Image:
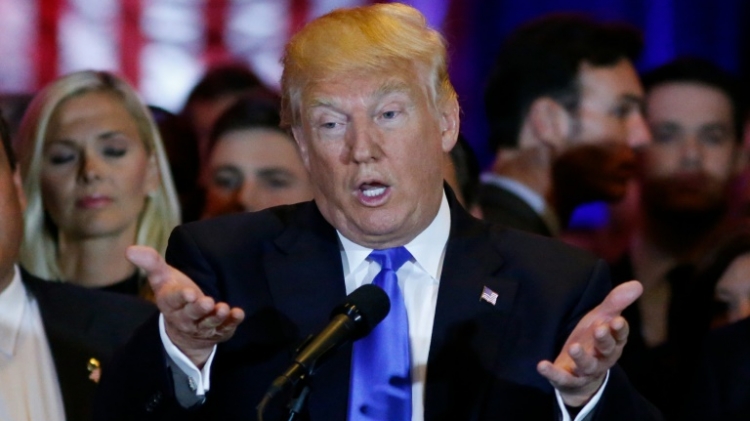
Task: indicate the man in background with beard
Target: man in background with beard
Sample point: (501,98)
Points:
(564,106)
(696,114)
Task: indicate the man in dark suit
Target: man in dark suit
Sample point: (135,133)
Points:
(500,324)
(564,107)
(721,383)
(54,338)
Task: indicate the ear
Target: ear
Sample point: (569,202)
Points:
(550,122)
(153,177)
(301,140)
(449,124)
(19,188)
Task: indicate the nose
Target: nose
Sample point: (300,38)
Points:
(690,153)
(90,168)
(248,198)
(639,135)
(362,145)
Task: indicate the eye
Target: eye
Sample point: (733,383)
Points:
(714,137)
(390,114)
(278,182)
(665,134)
(623,110)
(60,154)
(114,152)
(227,179)
(60,158)
(328,125)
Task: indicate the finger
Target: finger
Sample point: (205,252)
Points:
(585,363)
(604,340)
(621,297)
(215,318)
(174,299)
(151,263)
(620,329)
(559,378)
(201,308)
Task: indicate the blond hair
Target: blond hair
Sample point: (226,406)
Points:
(161,212)
(380,37)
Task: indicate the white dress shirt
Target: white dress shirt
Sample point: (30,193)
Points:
(419,280)
(29,390)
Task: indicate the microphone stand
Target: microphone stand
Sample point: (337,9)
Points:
(298,402)
(295,405)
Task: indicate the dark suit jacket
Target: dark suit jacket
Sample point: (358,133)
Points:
(283,266)
(504,207)
(81,324)
(721,389)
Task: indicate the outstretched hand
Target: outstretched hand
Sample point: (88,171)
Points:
(194,321)
(592,348)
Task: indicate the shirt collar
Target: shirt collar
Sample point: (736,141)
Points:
(422,247)
(529,196)
(12,305)
(532,198)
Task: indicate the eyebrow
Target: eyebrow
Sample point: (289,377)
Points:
(633,98)
(110,134)
(102,136)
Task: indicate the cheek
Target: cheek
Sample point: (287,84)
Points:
(132,177)
(659,160)
(55,189)
(719,164)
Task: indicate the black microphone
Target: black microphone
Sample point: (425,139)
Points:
(362,310)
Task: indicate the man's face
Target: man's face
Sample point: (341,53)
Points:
(11,218)
(374,146)
(254,169)
(694,153)
(605,128)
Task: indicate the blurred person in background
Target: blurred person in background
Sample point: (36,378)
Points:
(461,169)
(55,338)
(720,300)
(216,91)
(696,114)
(252,164)
(182,153)
(97,181)
(564,105)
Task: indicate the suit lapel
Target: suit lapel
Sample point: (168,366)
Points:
(63,329)
(306,282)
(467,331)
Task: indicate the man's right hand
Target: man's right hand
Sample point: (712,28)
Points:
(194,322)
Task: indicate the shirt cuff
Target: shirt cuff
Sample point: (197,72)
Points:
(586,410)
(200,378)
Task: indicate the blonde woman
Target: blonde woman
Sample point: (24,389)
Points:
(97,181)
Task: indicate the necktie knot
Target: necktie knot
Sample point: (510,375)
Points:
(392,258)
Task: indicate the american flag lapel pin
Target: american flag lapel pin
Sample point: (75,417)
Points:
(488,295)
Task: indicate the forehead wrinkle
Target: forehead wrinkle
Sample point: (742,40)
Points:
(334,102)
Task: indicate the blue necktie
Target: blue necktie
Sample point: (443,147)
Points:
(380,386)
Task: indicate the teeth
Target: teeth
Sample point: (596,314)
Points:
(372,192)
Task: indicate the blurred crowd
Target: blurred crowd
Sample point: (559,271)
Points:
(89,169)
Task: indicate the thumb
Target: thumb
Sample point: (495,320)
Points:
(621,297)
(149,260)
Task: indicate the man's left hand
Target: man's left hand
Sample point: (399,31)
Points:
(592,348)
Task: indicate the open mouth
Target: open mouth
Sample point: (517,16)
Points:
(373,193)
